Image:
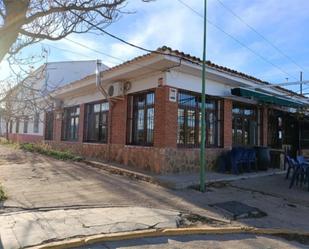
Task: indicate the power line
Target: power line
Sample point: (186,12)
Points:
(138,65)
(66,50)
(94,50)
(126,42)
(260,35)
(236,40)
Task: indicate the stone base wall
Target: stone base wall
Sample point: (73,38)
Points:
(25,138)
(151,159)
(188,160)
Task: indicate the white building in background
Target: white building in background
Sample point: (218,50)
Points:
(47,77)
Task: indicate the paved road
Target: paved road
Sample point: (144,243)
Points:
(203,242)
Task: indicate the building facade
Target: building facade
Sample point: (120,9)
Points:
(27,124)
(148,114)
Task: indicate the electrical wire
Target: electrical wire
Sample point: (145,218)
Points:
(260,35)
(236,40)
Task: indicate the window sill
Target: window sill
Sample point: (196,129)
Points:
(94,143)
(138,146)
(70,141)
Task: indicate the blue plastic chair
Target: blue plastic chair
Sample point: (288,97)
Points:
(236,160)
(251,159)
(292,165)
(300,174)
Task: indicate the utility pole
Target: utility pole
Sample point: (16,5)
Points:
(301,79)
(203,121)
(299,120)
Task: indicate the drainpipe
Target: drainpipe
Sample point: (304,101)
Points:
(110,103)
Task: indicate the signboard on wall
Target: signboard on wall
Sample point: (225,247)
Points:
(173,95)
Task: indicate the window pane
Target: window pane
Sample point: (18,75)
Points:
(96,123)
(142,119)
(97,108)
(150,99)
(70,123)
(243,132)
(189,119)
(141,101)
(181,132)
(150,125)
(191,127)
(105,106)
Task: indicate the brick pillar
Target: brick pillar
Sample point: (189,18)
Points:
(118,121)
(227,123)
(264,126)
(57,125)
(81,123)
(165,123)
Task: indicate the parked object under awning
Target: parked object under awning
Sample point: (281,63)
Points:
(266,98)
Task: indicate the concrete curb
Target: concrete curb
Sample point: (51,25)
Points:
(169,184)
(165,232)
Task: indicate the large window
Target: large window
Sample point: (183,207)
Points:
(11,126)
(25,125)
(17,125)
(36,121)
(49,125)
(189,120)
(141,119)
(245,128)
(70,123)
(96,122)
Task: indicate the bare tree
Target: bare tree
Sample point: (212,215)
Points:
(24,22)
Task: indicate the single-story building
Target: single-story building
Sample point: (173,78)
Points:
(148,114)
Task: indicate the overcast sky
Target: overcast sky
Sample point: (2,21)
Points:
(168,22)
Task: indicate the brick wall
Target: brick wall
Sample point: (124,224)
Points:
(25,138)
(118,121)
(227,123)
(163,157)
(165,124)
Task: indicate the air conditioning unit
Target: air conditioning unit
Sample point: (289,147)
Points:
(115,89)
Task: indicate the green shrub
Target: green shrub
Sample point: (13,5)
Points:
(6,142)
(2,194)
(46,150)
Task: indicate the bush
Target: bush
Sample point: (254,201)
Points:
(2,194)
(4,141)
(46,150)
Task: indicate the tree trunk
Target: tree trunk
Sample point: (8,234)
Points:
(14,19)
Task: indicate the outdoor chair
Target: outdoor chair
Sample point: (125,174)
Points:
(242,160)
(300,174)
(236,159)
(302,160)
(251,159)
(292,165)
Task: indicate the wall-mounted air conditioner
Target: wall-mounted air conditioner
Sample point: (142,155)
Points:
(115,89)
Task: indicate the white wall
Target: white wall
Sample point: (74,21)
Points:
(139,84)
(30,126)
(193,83)
(61,73)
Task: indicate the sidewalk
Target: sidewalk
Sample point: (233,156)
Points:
(24,229)
(179,181)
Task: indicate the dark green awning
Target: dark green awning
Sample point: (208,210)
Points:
(266,98)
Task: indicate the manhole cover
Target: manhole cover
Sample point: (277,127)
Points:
(238,210)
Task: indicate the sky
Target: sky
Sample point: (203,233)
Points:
(230,42)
